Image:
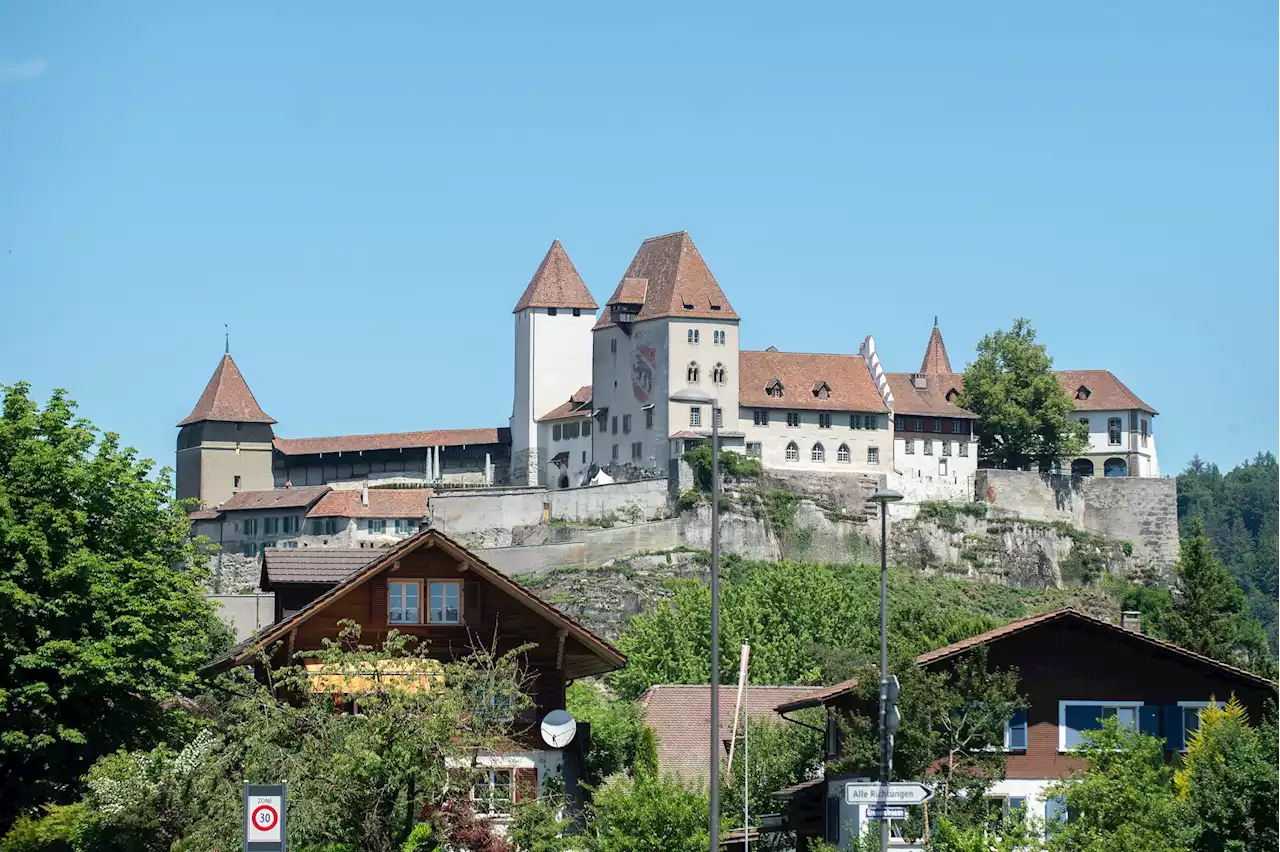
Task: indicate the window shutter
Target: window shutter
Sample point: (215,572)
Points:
(525,784)
(378,600)
(1018,730)
(1173,733)
(832,826)
(471,603)
(1149,720)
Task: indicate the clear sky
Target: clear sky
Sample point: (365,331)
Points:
(362,190)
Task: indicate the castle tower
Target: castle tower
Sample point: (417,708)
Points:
(553,321)
(224,445)
(935,361)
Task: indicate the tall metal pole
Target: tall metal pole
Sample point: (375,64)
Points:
(714,818)
(884,665)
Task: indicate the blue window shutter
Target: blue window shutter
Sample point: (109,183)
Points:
(1018,730)
(1149,720)
(1081,717)
(1173,734)
(832,827)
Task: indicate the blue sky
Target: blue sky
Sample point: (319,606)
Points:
(363,190)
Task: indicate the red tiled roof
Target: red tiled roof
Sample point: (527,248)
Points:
(578,405)
(668,273)
(850,385)
(1106,392)
(817,697)
(680,716)
(556,284)
(277,498)
(932,401)
(312,564)
(204,515)
(383,503)
(392,441)
(227,398)
(935,355)
(1022,624)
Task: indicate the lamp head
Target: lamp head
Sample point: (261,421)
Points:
(885,495)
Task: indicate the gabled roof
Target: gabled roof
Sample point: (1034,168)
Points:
(669,278)
(935,354)
(383,503)
(680,716)
(276,498)
(1106,392)
(578,405)
(932,400)
(244,652)
(556,284)
(227,398)
(320,565)
(1022,625)
(393,441)
(847,377)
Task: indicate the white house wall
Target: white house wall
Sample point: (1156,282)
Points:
(579,450)
(775,437)
(1130,446)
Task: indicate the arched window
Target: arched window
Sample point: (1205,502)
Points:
(717,374)
(1115,467)
(1082,467)
(818,454)
(842,454)
(692,372)
(793,452)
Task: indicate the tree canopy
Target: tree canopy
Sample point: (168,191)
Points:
(1023,413)
(102,614)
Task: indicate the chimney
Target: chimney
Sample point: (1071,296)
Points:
(364,495)
(919,381)
(1131,620)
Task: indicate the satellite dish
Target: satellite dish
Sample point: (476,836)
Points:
(558,728)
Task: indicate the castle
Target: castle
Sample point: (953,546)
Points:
(592,403)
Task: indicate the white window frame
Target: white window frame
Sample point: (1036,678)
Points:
(843,455)
(1198,705)
(818,454)
(484,804)
(417,614)
(695,416)
(1064,704)
(754,449)
(873,455)
(787,452)
(427,588)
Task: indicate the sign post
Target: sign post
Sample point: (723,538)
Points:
(895,793)
(886,812)
(264,817)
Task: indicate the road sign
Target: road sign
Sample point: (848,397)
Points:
(895,793)
(264,817)
(883,812)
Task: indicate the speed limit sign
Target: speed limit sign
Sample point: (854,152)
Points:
(264,817)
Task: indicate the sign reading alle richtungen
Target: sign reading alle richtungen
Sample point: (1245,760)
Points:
(264,817)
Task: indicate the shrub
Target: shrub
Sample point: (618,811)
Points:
(58,829)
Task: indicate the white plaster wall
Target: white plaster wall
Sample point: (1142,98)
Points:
(925,470)
(1101,448)
(579,450)
(552,360)
(707,354)
(626,380)
(775,437)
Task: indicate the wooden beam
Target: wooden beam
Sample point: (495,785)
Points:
(561,635)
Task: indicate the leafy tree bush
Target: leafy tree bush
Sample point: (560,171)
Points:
(732,465)
(781,754)
(1023,413)
(100,623)
(616,725)
(630,814)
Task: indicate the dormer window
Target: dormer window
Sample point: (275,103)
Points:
(821,390)
(1083,393)
(952,394)
(774,389)
(684,300)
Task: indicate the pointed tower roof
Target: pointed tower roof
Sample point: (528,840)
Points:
(556,284)
(676,282)
(227,398)
(935,355)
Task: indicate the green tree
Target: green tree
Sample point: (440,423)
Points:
(1227,785)
(100,623)
(780,754)
(1123,801)
(1211,618)
(631,814)
(616,725)
(1023,412)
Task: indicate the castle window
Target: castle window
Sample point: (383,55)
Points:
(761,416)
(909,446)
(552,312)
(793,452)
(793,418)
(717,337)
(236,481)
(822,390)
(693,335)
(899,422)
(937,424)
(718,415)
(928,447)
(1113,431)
(1083,393)
(955,427)
(239,426)
(586,428)
(1142,425)
(577,312)
(1085,421)
(615,452)
(855,421)
(614,425)
(774,389)
(695,415)
(818,454)
(919,424)
(946,448)
(648,418)
(613,346)
(942,466)
(692,372)
(842,454)
(635,450)
(555,432)
(377,525)
(870,421)
(717,374)
(754,450)
(626,423)
(873,455)
(824,420)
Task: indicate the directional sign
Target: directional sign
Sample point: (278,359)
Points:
(883,812)
(895,793)
(264,817)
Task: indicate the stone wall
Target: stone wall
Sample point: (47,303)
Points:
(585,548)
(1142,511)
(247,614)
(648,496)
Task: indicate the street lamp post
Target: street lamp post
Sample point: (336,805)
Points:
(884,497)
(693,396)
